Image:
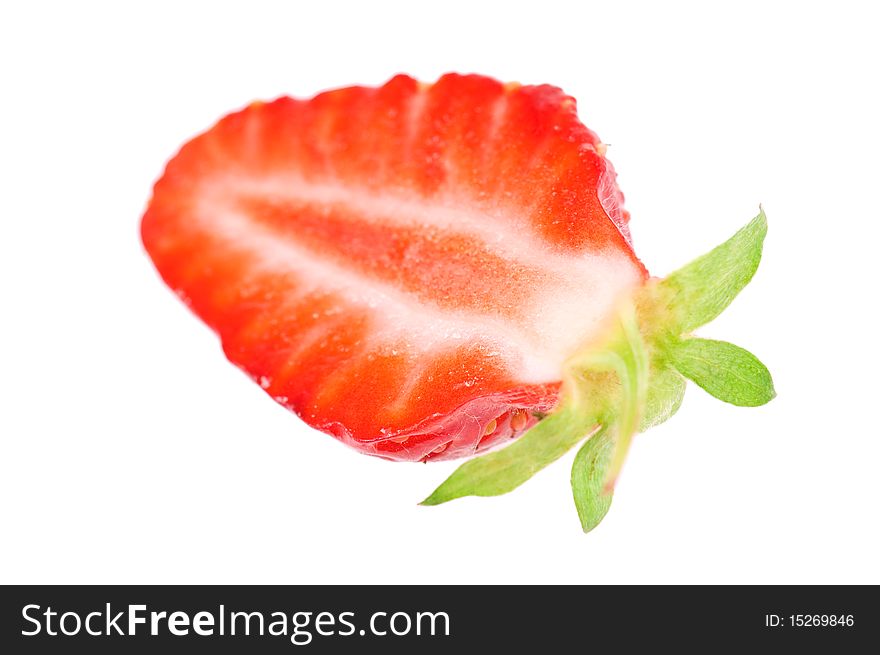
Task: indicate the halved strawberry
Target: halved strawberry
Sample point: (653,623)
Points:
(410,268)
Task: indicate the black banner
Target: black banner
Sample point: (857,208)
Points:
(339,619)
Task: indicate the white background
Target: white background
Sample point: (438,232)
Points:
(133,452)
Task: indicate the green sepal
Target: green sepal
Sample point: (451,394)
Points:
(701,290)
(666,388)
(504,470)
(726,371)
(589,473)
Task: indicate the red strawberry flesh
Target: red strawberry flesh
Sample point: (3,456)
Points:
(406,267)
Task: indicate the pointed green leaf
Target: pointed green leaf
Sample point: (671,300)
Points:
(588,475)
(504,470)
(701,290)
(665,393)
(728,372)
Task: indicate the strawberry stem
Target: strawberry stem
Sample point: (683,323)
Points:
(632,371)
(625,357)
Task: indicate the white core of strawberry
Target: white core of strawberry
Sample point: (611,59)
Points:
(508,232)
(569,298)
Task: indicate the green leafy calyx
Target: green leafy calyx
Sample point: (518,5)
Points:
(633,379)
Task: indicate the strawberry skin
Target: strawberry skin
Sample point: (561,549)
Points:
(409,267)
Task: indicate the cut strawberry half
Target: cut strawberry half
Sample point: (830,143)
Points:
(421,271)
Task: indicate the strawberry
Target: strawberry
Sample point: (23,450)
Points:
(428,271)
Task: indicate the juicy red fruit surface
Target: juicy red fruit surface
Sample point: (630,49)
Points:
(406,267)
